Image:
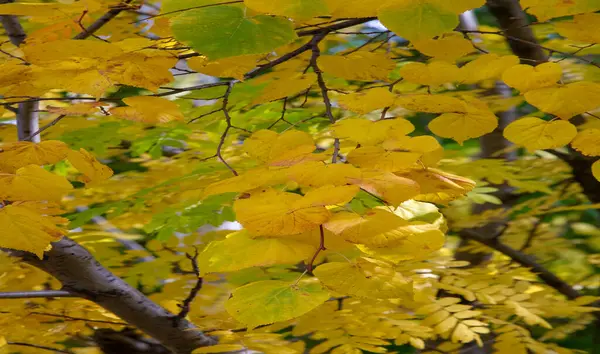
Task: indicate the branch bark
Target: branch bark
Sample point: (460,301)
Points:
(82,275)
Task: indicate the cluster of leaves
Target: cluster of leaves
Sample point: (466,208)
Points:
(323,137)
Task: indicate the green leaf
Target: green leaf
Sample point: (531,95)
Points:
(226,31)
(417,20)
(272,301)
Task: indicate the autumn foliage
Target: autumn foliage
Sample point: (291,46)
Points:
(299,176)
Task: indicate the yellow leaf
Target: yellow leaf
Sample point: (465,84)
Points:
(537,134)
(234,67)
(219,348)
(596,170)
(581,28)
(529,317)
(49,10)
(296,9)
(78,109)
(365,66)
(477,121)
(2,341)
(526,77)
(391,188)
(272,301)
(367,133)
(93,171)
(446,325)
(148,109)
(138,69)
(363,279)
(432,74)
(586,142)
(487,67)
(33,183)
(275,213)
(284,87)
(284,149)
(547,9)
(318,174)
(27,231)
(20,154)
(448,47)
(328,195)
(430,149)
(239,251)
(378,158)
(418,242)
(438,186)
(568,100)
(432,103)
(48,53)
(367,101)
(245,182)
(351,8)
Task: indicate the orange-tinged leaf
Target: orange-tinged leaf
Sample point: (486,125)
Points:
(526,77)
(234,67)
(148,109)
(33,183)
(93,171)
(20,154)
(28,231)
(390,187)
(537,134)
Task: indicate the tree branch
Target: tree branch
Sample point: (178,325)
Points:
(185,306)
(35,294)
(56,350)
(526,261)
(103,20)
(81,275)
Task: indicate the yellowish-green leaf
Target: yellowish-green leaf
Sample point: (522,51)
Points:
(296,9)
(285,87)
(581,28)
(526,77)
(537,134)
(378,158)
(547,9)
(430,149)
(239,251)
(351,8)
(148,109)
(28,231)
(271,301)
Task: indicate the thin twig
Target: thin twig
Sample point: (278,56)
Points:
(282,118)
(316,52)
(204,115)
(71,318)
(310,265)
(224,135)
(35,294)
(103,20)
(185,306)
(56,350)
(187,9)
(56,120)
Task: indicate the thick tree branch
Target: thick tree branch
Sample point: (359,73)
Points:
(82,275)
